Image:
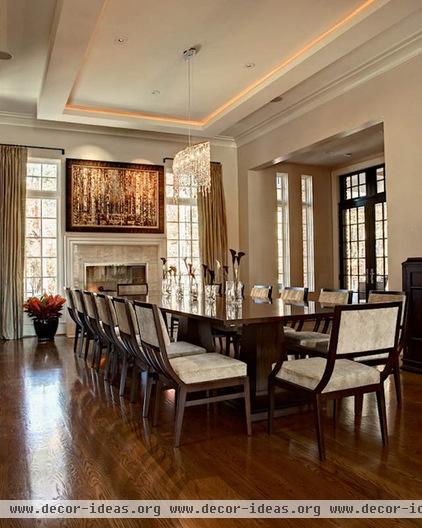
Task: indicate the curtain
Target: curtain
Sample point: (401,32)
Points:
(12,239)
(212,221)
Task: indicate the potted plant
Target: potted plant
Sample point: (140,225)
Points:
(45,312)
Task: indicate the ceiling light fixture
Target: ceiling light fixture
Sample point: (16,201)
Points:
(156,92)
(121,40)
(276,99)
(250,65)
(192,164)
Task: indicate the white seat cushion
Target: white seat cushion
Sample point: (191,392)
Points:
(207,367)
(319,345)
(308,336)
(347,374)
(182,348)
(289,330)
(374,356)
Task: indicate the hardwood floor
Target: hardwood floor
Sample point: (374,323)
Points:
(66,434)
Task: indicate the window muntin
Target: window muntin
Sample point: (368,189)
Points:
(283,238)
(308,232)
(41,248)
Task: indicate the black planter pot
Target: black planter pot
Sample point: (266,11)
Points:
(46,328)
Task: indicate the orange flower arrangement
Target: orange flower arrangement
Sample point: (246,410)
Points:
(44,307)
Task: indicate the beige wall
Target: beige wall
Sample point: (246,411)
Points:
(394,98)
(91,143)
(262,257)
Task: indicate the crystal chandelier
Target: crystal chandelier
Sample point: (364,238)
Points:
(191,166)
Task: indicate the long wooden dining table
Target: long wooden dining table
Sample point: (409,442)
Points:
(260,327)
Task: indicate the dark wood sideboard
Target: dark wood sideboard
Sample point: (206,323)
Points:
(412,285)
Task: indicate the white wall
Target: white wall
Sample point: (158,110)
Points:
(108,145)
(394,98)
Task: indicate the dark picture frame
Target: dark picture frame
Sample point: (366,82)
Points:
(114,197)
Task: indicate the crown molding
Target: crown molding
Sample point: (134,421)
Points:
(29,120)
(388,60)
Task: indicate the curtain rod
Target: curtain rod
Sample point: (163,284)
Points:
(171,159)
(34,147)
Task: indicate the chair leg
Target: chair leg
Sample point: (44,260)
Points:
(382,414)
(95,351)
(318,426)
(134,384)
(397,383)
(87,343)
(271,398)
(358,404)
(81,342)
(75,341)
(109,359)
(157,400)
(147,396)
(123,376)
(181,401)
(334,412)
(247,406)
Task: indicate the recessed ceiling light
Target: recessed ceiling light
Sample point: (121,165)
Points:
(5,55)
(250,65)
(121,40)
(276,99)
(156,92)
(348,155)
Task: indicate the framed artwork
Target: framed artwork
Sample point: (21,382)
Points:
(114,197)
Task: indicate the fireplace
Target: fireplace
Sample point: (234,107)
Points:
(114,279)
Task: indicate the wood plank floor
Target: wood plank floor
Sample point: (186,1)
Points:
(66,434)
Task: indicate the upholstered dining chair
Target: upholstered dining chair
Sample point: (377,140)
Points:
(358,330)
(189,374)
(321,324)
(82,313)
(319,347)
(294,294)
(73,312)
(100,339)
(262,291)
(118,354)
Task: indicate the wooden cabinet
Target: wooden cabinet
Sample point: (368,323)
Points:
(412,285)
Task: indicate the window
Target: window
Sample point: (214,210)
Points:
(42,196)
(308,233)
(182,227)
(283,239)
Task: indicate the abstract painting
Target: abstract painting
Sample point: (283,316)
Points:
(114,197)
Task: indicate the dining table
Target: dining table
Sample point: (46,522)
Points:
(259,324)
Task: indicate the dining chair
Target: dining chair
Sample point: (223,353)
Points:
(322,323)
(118,355)
(314,347)
(88,331)
(262,291)
(199,373)
(100,339)
(133,291)
(294,294)
(73,312)
(358,330)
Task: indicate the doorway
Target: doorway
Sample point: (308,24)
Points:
(363,231)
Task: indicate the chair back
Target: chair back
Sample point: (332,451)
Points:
(363,329)
(147,327)
(335,296)
(69,298)
(89,304)
(124,321)
(294,293)
(79,302)
(390,296)
(102,309)
(154,339)
(132,289)
(261,291)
